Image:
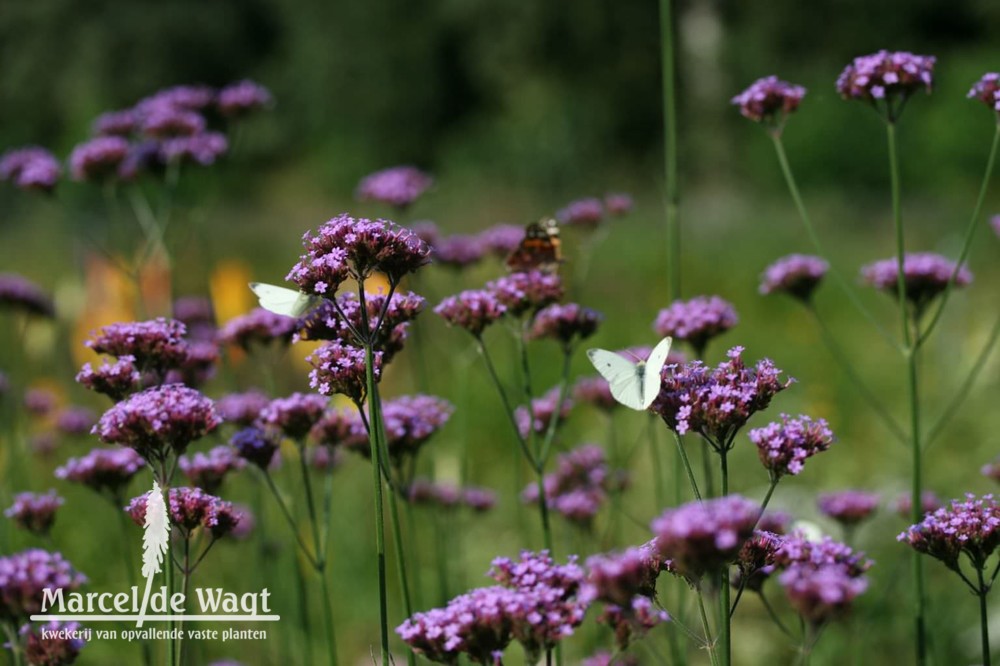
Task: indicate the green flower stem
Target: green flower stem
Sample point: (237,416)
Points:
(304,614)
(331,637)
(659,487)
(842,358)
(910,350)
(123,522)
(507,408)
(767,498)
(168,562)
(15,643)
(793,189)
(411,526)
(970,231)
(288,518)
(687,466)
(984,625)
(709,641)
(725,635)
(962,393)
(375,448)
(774,616)
(668,71)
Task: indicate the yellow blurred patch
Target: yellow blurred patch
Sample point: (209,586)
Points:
(108,298)
(229,286)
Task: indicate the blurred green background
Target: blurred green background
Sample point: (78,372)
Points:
(517,108)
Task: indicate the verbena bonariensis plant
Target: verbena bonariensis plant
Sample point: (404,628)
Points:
(920,283)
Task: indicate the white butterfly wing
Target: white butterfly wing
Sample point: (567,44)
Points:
(622,376)
(654,367)
(279,300)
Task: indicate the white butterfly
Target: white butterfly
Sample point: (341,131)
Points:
(287,302)
(634,385)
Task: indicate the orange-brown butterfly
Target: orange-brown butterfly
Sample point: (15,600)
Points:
(539,249)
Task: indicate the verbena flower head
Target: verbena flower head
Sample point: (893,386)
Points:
(97,158)
(925,274)
(567,323)
(756,560)
(886,77)
(527,291)
(702,537)
(596,391)
(198,315)
(618,203)
(579,486)
(356,247)
(798,550)
(776,522)
(35,512)
(295,415)
(341,428)
(501,239)
(848,507)
(412,420)
(696,320)
(156,345)
(995,223)
(340,368)
(30,168)
(25,575)
(20,293)
(199,366)
(769,101)
(986,90)
(242,408)
(823,593)
(158,420)
(75,420)
(797,275)
(50,643)
(398,186)
(717,402)
(472,310)
(191,97)
(163,121)
(784,447)
(255,445)
(458,251)
(582,213)
(115,380)
(40,401)
(631,620)
(478,498)
(259,326)
(423,492)
(242,98)
(189,509)
(991,470)
(106,471)
(208,470)
(542,411)
(929,502)
(616,578)
(144,156)
(386,324)
(971,527)
(115,123)
(203,148)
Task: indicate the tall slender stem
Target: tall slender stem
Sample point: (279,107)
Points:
(289,519)
(984,625)
(970,231)
(725,637)
(709,640)
(793,189)
(331,636)
(687,466)
(123,522)
(15,643)
(668,67)
(910,350)
(168,564)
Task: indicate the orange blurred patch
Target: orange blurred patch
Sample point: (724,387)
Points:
(229,287)
(108,298)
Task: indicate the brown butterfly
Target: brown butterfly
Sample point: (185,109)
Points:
(539,249)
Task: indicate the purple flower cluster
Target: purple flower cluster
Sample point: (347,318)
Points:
(259,326)
(103,470)
(784,447)
(410,421)
(991,470)
(616,578)
(30,168)
(565,323)
(716,403)
(25,575)
(596,391)
(199,366)
(848,507)
(987,90)
(542,411)
(756,560)
(580,485)
(40,401)
(189,509)
(74,421)
(158,420)
(971,526)
(51,644)
(696,320)
(821,579)
(618,203)
(769,100)
(295,415)
(886,75)
(242,98)
(255,445)
(198,315)
(20,293)
(458,250)
(633,619)
(501,239)
(115,380)
(526,291)
(35,512)
(925,275)
(341,428)
(582,213)
(472,310)
(995,223)
(422,492)
(929,503)
(208,470)
(387,324)
(797,275)
(356,247)
(203,148)
(98,158)
(398,186)
(340,368)
(703,537)
(157,345)
(242,408)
